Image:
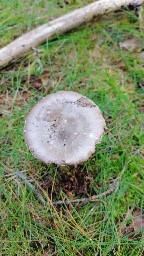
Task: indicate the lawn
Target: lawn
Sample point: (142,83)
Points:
(87,60)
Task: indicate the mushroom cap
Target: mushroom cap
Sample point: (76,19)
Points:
(63,128)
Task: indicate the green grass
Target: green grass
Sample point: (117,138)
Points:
(87,60)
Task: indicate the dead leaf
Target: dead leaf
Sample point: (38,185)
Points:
(138,220)
(45,79)
(94,37)
(35,82)
(136,223)
(133,44)
(122,225)
(7,102)
(141,55)
(26,95)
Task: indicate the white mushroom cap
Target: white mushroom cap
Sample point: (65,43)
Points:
(63,128)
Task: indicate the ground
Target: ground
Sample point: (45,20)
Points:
(90,61)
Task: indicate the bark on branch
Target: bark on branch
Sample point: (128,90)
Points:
(26,42)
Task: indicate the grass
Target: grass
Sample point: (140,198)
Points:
(87,60)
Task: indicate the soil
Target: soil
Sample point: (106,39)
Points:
(72,181)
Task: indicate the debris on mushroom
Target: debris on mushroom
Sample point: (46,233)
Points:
(63,128)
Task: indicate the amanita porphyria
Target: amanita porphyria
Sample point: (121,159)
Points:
(63,128)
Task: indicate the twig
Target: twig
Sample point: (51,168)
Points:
(114,186)
(25,180)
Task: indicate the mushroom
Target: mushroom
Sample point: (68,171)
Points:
(63,128)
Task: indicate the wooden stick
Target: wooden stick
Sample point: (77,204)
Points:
(26,42)
(25,180)
(113,187)
(30,184)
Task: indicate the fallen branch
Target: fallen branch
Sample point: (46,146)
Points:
(26,42)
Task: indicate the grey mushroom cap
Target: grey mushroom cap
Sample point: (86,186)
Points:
(63,128)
